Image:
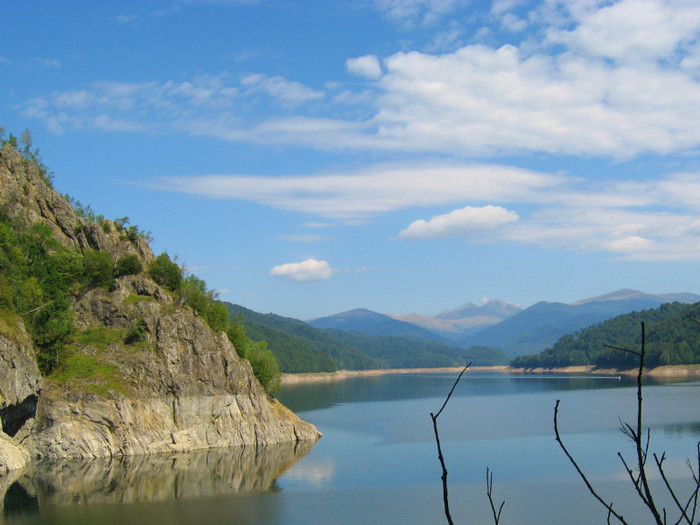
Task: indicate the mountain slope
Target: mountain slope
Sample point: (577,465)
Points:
(371,323)
(542,324)
(297,345)
(300,347)
(465,320)
(672,337)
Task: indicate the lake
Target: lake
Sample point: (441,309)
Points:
(377,461)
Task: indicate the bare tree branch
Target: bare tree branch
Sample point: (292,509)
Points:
(595,494)
(445,499)
(489,493)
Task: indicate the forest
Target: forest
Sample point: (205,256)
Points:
(673,338)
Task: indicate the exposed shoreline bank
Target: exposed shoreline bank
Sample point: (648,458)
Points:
(680,372)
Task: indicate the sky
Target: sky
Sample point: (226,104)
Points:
(407,156)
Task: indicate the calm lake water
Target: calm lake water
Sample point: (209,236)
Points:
(377,460)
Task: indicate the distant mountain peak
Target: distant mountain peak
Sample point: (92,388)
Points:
(627,294)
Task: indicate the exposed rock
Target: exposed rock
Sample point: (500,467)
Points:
(20,380)
(24,195)
(12,457)
(178,386)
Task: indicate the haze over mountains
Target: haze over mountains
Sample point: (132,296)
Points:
(500,324)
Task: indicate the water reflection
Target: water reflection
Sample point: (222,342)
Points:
(153,478)
(682,430)
(394,387)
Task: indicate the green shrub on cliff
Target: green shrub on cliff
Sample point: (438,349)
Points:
(166,272)
(40,277)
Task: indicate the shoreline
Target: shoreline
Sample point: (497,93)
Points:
(679,372)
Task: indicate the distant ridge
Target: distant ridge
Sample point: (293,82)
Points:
(371,323)
(542,324)
(464,320)
(503,325)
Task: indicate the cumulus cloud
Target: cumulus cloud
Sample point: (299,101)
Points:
(306,271)
(631,30)
(632,243)
(459,223)
(364,66)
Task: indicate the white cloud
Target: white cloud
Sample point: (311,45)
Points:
(459,223)
(373,191)
(411,12)
(206,104)
(306,271)
(604,79)
(559,212)
(632,30)
(480,100)
(284,91)
(631,243)
(365,66)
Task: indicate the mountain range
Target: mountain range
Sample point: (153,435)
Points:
(502,325)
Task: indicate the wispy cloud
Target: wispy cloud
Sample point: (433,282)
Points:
(371,191)
(49,62)
(584,88)
(125,19)
(412,12)
(503,205)
(309,270)
(281,90)
(304,237)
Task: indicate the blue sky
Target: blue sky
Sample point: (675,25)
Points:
(310,157)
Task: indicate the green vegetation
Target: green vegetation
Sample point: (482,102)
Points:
(136,332)
(262,360)
(31,156)
(39,277)
(166,272)
(100,337)
(672,338)
(87,373)
(127,265)
(299,347)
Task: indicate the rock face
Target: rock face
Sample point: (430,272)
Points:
(178,387)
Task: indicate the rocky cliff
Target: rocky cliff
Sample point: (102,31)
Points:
(179,386)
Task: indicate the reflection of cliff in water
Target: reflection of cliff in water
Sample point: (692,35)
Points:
(156,477)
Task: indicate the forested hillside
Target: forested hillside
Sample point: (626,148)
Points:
(299,347)
(672,337)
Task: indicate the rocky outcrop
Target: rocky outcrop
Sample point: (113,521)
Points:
(183,387)
(20,384)
(176,386)
(25,195)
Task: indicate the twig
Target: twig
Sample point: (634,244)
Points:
(607,505)
(434,417)
(489,493)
